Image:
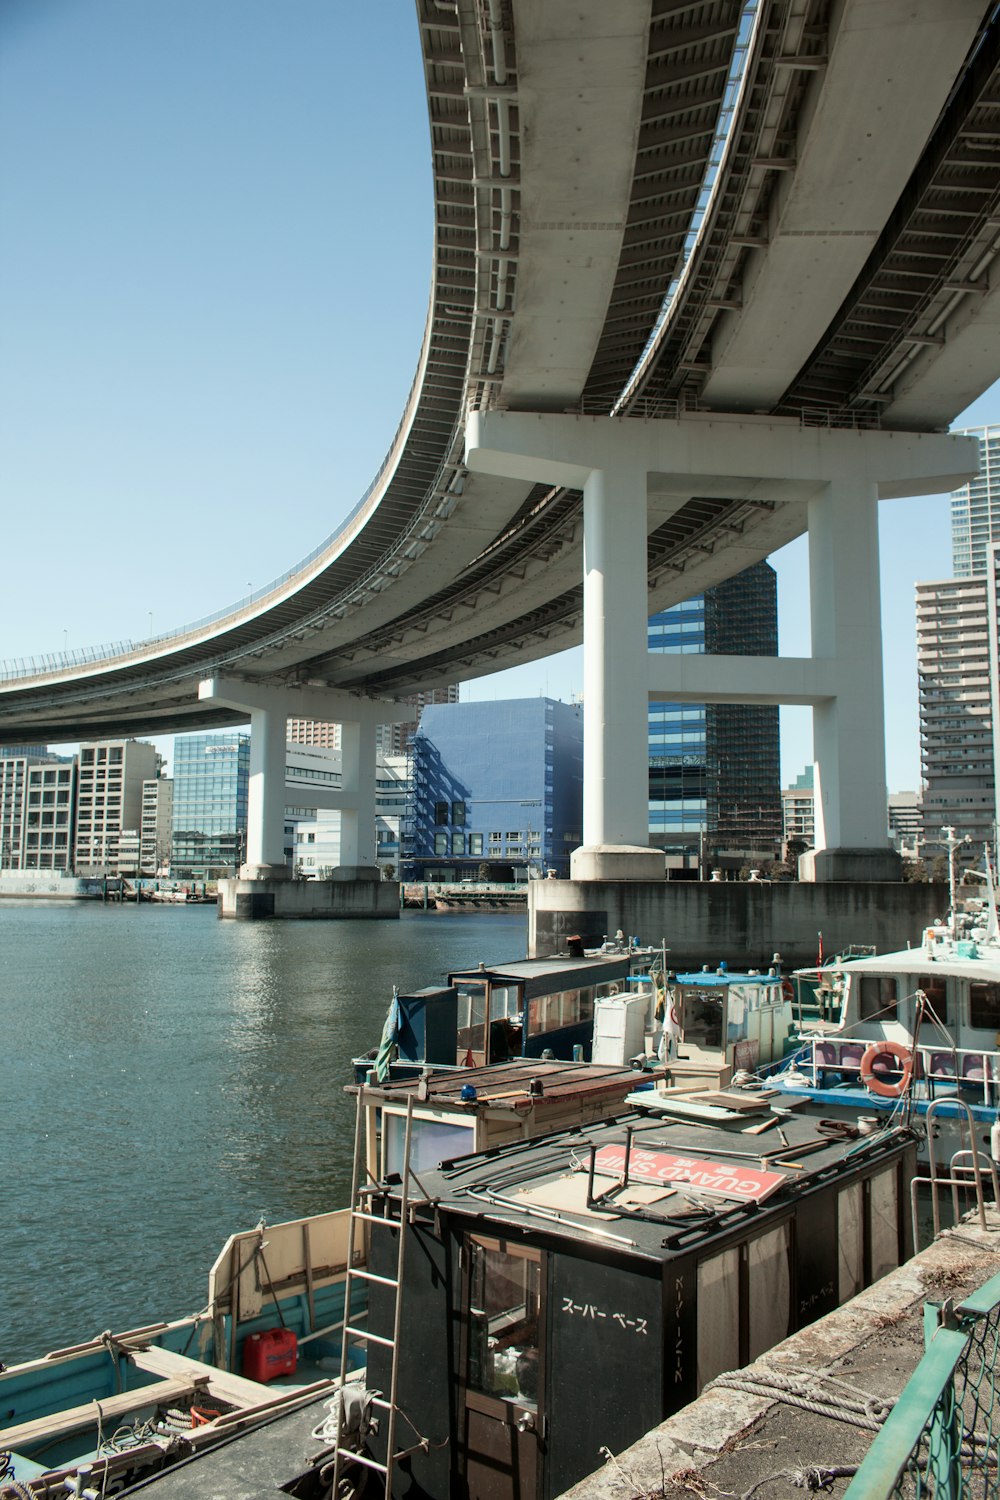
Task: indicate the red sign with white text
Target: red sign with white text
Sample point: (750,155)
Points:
(745,1184)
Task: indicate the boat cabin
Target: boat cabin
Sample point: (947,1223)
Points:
(458,1112)
(727,1022)
(526,1008)
(642,1255)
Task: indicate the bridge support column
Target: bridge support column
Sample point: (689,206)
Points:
(829,479)
(268,708)
(265,854)
(357,817)
(615,611)
(848,727)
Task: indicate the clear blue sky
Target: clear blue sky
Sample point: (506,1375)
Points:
(214,270)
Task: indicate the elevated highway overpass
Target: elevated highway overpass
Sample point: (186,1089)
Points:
(781,214)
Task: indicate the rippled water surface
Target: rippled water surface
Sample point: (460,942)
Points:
(167,1078)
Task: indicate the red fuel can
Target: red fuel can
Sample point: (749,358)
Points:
(269,1355)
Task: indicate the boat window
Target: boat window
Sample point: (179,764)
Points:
(769,1290)
(432,1141)
(936,990)
(567,1008)
(984,1005)
(701,1021)
(718,1315)
(504,1305)
(877,996)
(471,1020)
(505,1000)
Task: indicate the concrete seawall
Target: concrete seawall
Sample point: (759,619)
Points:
(742,922)
(308,900)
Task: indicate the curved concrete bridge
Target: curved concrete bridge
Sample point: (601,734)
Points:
(707,274)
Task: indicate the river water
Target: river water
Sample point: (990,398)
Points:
(167,1078)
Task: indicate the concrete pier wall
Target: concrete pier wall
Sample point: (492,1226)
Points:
(743,922)
(308,900)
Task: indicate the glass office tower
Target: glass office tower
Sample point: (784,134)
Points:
(714,769)
(211,776)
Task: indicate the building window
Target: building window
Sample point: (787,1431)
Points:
(458,843)
(458,814)
(475,843)
(440,814)
(440,843)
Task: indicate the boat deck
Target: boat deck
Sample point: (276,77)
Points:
(255,1465)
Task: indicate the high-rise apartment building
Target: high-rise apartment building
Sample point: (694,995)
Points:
(714,769)
(156,825)
(956,707)
(211,780)
(109,800)
(975,509)
(318,732)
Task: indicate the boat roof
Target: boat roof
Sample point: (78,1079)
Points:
(917,961)
(713,979)
(688,1183)
(545,968)
(521,1085)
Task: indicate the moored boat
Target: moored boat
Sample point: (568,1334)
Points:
(915,1029)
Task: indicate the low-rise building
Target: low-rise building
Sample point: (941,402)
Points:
(798,810)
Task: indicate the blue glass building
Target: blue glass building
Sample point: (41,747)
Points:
(497,785)
(211,776)
(714,769)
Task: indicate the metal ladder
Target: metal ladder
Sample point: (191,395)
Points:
(966,1169)
(363,1186)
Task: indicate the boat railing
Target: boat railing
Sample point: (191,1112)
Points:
(967,1168)
(972,1071)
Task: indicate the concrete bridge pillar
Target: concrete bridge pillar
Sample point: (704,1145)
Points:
(615,612)
(357,817)
(268,708)
(835,477)
(265,853)
(849,726)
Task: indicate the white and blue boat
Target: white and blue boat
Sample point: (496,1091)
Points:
(917,1030)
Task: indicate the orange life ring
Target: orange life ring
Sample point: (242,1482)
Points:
(878,1085)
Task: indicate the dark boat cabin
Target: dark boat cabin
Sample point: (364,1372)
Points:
(570,1292)
(525,1008)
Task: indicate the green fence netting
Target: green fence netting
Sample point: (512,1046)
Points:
(942,1437)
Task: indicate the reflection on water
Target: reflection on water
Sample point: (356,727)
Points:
(168,1078)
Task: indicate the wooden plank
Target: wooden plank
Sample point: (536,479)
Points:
(161,1392)
(235,1389)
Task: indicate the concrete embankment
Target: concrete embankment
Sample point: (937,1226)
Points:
(732,1442)
(703,921)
